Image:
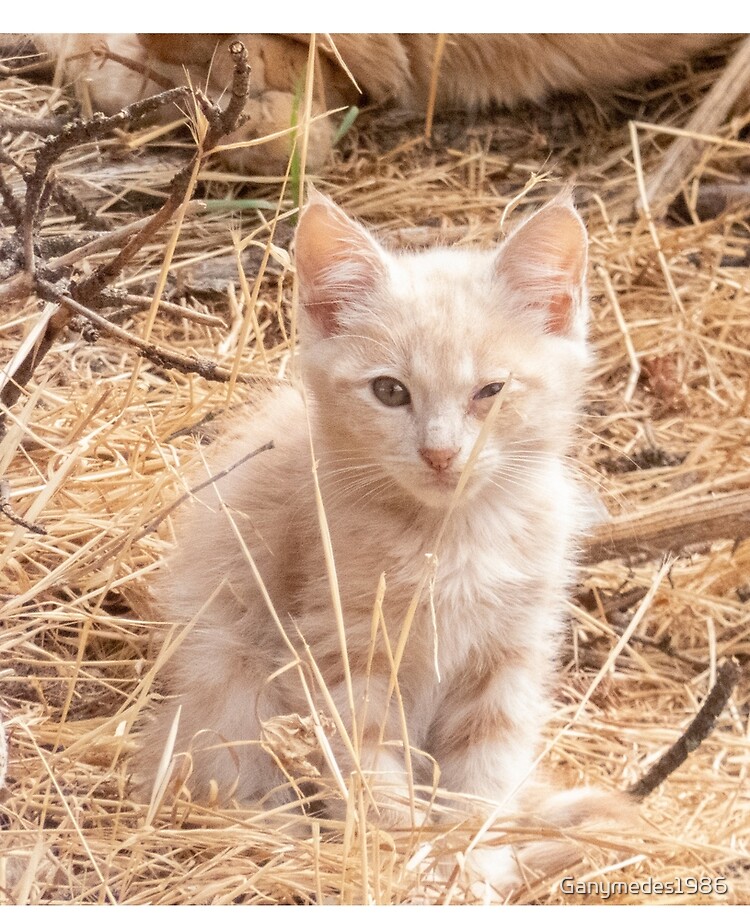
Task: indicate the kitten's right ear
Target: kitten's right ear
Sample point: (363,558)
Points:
(338,261)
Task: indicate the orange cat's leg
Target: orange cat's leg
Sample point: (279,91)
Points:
(273,109)
(181,47)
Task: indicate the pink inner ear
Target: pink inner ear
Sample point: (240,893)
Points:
(324,314)
(338,262)
(560,314)
(545,261)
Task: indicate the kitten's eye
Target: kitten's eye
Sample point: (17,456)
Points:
(391,392)
(492,389)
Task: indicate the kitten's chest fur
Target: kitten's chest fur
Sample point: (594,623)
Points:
(491,579)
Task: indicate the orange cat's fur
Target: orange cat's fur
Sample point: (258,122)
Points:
(474,72)
(441,396)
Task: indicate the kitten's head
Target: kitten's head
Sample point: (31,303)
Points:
(404,353)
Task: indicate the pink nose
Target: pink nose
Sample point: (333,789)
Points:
(438,458)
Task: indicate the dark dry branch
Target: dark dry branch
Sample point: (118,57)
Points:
(153,524)
(617,603)
(68,201)
(106,54)
(695,734)
(78,298)
(21,284)
(194,428)
(50,124)
(162,357)
(615,608)
(112,238)
(10,201)
(229,119)
(127,304)
(163,515)
(109,272)
(6,509)
(72,204)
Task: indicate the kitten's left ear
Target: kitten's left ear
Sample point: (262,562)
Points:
(544,261)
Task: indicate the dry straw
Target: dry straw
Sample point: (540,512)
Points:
(95,453)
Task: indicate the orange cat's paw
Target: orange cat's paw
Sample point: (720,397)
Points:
(267,138)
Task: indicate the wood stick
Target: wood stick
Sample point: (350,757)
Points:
(163,515)
(702,520)
(664,183)
(7,510)
(112,238)
(125,304)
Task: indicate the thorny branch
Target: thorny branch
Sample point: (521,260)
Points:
(163,357)
(90,294)
(163,515)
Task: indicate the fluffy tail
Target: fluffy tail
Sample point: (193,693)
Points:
(577,810)
(555,834)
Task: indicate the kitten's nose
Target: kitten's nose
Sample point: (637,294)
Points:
(438,458)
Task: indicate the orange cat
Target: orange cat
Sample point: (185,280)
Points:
(442,390)
(474,72)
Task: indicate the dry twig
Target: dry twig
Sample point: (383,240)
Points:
(694,735)
(6,509)
(84,295)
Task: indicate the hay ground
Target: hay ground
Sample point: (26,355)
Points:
(102,440)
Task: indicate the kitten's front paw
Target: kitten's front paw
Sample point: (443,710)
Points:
(487,874)
(387,806)
(395,808)
(493,874)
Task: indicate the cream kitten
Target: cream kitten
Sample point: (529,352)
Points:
(427,375)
